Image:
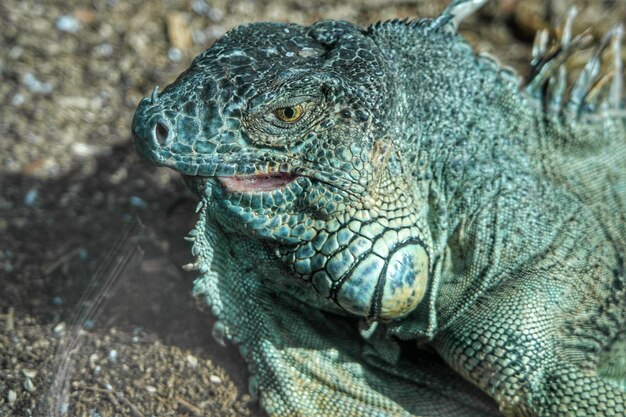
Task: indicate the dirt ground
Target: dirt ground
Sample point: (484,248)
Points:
(96,313)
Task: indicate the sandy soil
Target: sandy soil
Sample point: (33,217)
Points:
(96,315)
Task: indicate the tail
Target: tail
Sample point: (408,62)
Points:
(598,88)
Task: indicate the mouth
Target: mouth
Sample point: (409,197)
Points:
(256,183)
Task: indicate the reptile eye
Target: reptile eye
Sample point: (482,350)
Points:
(290,114)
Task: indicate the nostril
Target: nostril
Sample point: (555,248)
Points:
(161,133)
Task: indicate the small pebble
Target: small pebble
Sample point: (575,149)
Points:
(11,397)
(93,360)
(138,332)
(199,37)
(192,361)
(119,175)
(203,8)
(35,85)
(104,50)
(16,52)
(137,202)
(216,14)
(59,329)
(200,6)
(151,389)
(17,100)
(57,301)
(174,54)
(28,385)
(113,356)
(68,23)
(84,149)
(215,379)
(29,373)
(31,197)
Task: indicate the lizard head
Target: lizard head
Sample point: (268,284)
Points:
(285,132)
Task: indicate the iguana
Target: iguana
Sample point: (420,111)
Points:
(392,225)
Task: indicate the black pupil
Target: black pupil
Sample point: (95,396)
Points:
(289,112)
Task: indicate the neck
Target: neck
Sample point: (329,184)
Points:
(460,129)
(460,118)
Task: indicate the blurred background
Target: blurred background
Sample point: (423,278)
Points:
(96,313)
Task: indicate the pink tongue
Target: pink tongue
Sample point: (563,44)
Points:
(256,183)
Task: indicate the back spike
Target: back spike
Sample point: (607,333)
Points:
(617,86)
(154,98)
(588,77)
(456,12)
(566,37)
(558,85)
(596,88)
(547,80)
(540,46)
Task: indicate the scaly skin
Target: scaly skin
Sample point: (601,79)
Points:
(374,203)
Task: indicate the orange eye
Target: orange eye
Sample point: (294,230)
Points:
(290,114)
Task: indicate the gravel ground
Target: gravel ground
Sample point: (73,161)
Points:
(96,316)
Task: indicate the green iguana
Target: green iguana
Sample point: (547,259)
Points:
(391,225)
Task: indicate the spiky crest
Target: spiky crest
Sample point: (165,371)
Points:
(456,12)
(594,89)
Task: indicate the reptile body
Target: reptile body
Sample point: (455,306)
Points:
(391,225)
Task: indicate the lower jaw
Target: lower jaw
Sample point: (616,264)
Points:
(256,183)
